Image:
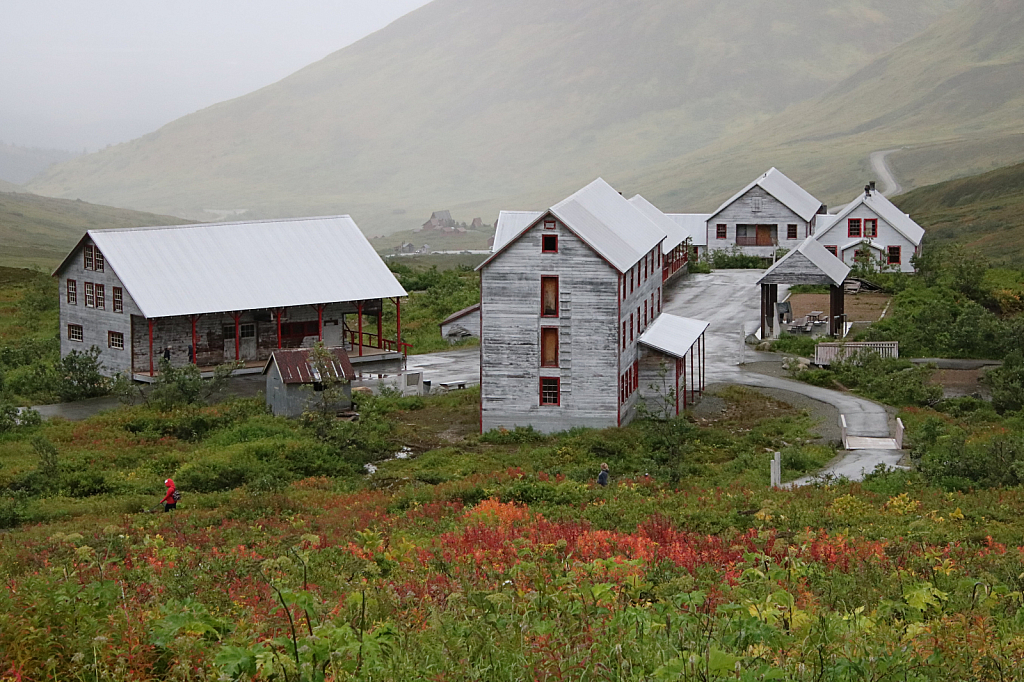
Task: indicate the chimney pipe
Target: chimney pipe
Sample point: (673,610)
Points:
(867,190)
(872,185)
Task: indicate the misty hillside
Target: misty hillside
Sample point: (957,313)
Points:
(40,231)
(985,212)
(951,101)
(482,104)
(19,164)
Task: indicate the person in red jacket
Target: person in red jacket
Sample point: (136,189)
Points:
(170,500)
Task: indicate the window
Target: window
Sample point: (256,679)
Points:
(72,287)
(631,280)
(549,347)
(721,231)
(248,331)
(645,313)
(791,232)
(87,254)
(550,391)
(549,243)
(659,300)
(115,340)
(638,321)
(810,229)
(549,297)
(90,299)
(631,327)
(659,258)
(894,255)
(97,259)
(101,298)
(645,269)
(118,300)
(853,227)
(757,204)
(871,227)
(833,250)
(623,335)
(549,224)
(75,332)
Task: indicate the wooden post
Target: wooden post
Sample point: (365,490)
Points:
(380,325)
(238,336)
(836,310)
(677,387)
(320,322)
(693,378)
(398,325)
(683,361)
(150,347)
(278,313)
(764,314)
(195,345)
(359,314)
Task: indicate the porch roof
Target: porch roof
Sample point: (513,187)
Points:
(673,335)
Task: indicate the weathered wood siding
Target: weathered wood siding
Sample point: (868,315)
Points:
(95,323)
(510,336)
(291,400)
(658,383)
(470,322)
(647,286)
(741,212)
(797,269)
(838,235)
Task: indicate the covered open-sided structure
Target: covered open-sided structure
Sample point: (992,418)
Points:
(214,293)
(671,363)
(809,263)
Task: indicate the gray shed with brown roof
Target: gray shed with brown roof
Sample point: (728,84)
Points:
(295,384)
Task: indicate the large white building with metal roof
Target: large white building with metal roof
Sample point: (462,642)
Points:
(214,293)
(566,298)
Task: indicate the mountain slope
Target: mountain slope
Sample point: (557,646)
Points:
(483,104)
(953,97)
(985,212)
(40,231)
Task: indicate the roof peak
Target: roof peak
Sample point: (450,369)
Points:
(261,221)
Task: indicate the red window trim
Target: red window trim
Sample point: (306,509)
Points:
(623,335)
(81,332)
(87,257)
(721,231)
(631,327)
(899,255)
(645,312)
(558,403)
(557,306)
(557,340)
(71,289)
(110,340)
(874,228)
(550,224)
(90,293)
(544,239)
(117,299)
(792,231)
(849,227)
(834,250)
(101,297)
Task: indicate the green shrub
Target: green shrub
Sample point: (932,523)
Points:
(1007,383)
(797,345)
(79,483)
(735,260)
(519,434)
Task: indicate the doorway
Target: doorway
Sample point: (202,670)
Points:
(765,235)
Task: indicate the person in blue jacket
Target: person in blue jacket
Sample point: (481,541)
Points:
(602,478)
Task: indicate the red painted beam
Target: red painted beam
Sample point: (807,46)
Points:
(150,347)
(359,314)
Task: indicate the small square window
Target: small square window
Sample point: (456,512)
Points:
(721,231)
(791,232)
(247,331)
(550,391)
(75,332)
(118,297)
(550,224)
(115,340)
(895,255)
(72,288)
(549,243)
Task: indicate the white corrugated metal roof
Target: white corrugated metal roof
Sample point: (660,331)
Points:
(887,211)
(696,223)
(609,224)
(823,222)
(776,183)
(673,335)
(510,225)
(675,234)
(878,246)
(832,267)
(210,268)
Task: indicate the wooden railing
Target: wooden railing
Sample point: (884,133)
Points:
(371,340)
(827,353)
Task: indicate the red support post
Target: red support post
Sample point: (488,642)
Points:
(195,344)
(320,322)
(703,359)
(278,314)
(677,387)
(693,379)
(398,324)
(150,347)
(685,377)
(238,336)
(359,314)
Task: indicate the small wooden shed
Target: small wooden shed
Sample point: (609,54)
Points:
(464,324)
(295,384)
(809,263)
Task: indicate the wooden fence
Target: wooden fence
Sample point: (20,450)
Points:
(827,353)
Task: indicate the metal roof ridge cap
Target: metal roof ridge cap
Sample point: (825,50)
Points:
(141,228)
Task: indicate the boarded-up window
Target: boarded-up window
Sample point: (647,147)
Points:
(871,227)
(550,393)
(549,297)
(853,227)
(791,232)
(894,255)
(549,347)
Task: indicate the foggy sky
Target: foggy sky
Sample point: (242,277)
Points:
(80,74)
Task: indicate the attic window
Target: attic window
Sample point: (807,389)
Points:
(757,205)
(549,243)
(549,224)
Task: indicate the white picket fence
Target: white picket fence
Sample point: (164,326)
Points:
(827,353)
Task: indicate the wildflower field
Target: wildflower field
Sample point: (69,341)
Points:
(492,557)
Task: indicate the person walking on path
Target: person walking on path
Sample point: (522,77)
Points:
(602,478)
(170,500)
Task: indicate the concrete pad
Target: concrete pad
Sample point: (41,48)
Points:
(854,465)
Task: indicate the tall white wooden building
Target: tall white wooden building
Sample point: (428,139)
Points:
(566,299)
